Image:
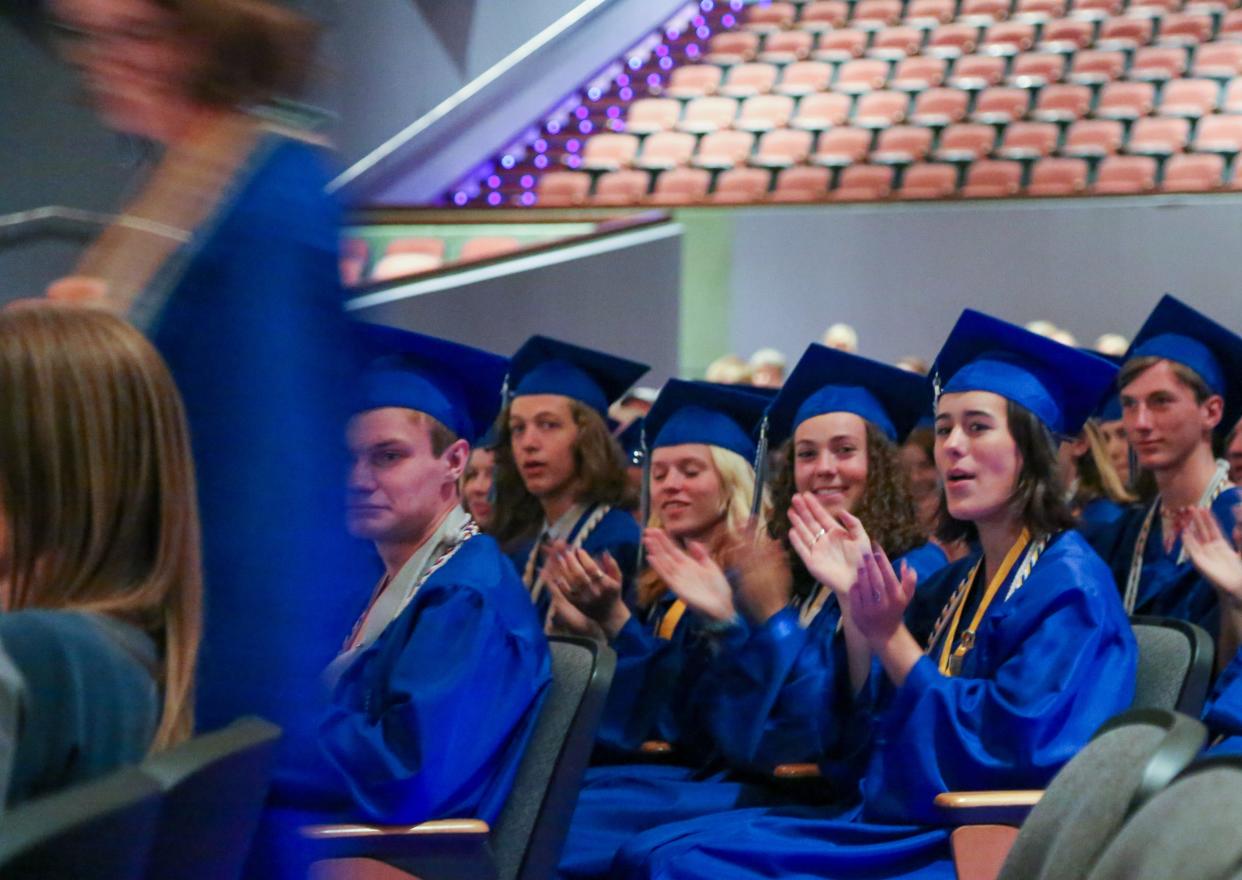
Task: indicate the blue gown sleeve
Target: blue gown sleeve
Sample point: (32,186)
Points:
(1045,673)
(440,731)
(648,668)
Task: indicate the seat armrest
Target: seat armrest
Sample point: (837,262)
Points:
(797,771)
(979,851)
(656,747)
(357,831)
(982,807)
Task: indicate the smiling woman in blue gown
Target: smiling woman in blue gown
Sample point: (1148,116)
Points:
(1030,654)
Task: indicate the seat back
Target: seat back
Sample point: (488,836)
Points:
(530,832)
(1175,664)
(102,830)
(1188,830)
(214,786)
(1128,760)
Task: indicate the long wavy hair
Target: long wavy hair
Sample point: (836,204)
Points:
(97,485)
(1039,495)
(599,467)
(1097,478)
(886,508)
(737,493)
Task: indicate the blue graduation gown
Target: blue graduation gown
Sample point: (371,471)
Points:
(431,719)
(1051,664)
(89,704)
(1223,711)
(754,696)
(1167,588)
(260,348)
(617,534)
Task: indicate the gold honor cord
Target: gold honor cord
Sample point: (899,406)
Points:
(672,617)
(951,663)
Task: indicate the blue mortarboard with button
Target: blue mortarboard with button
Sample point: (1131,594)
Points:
(1059,385)
(458,385)
(826,380)
(1176,332)
(631,439)
(704,412)
(549,366)
(1110,409)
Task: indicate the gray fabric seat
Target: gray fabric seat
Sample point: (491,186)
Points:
(1188,830)
(1175,665)
(214,786)
(1129,759)
(102,830)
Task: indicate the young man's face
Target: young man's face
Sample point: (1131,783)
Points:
(397,486)
(1164,422)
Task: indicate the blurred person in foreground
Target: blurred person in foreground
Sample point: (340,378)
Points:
(227,258)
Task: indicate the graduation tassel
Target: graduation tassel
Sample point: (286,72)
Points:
(761,467)
(644,496)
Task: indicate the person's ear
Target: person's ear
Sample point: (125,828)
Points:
(456,457)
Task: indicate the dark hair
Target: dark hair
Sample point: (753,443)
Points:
(1039,496)
(886,508)
(253,49)
(599,465)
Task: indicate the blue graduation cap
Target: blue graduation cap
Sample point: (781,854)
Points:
(549,366)
(1110,409)
(705,412)
(1059,385)
(631,439)
(827,380)
(1176,332)
(457,385)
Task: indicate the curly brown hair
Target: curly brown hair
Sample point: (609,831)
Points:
(886,509)
(599,466)
(1039,496)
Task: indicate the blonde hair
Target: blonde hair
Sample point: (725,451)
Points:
(1097,478)
(737,492)
(97,485)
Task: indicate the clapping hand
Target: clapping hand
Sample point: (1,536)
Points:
(591,589)
(691,574)
(879,598)
(1212,554)
(831,547)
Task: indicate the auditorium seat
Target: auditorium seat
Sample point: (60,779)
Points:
(977,72)
(1125,175)
(765,18)
(665,149)
(1193,172)
(1152,8)
(708,114)
(804,78)
(724,149)
(1221,61)
(741,185)
(895,43)
(937,108)
(400,265)
(1000,105)
(1035,70)
(1066,35)
(624,187)
(875,14)
(840,46)
(1057,177)
(693,81)
(983,12)
(990,179)
(1094,67)
(861,75)
(1231,26)
(1158,63)
(1190,98)
(563,188)
(929,13)
(486,247)
(787,47)
(753,78)
(1126,100)
(1039,11)
(427,245)
(764,113)
(823,15)
(1028,140)
(1008,38)
(782,147)
(1094,10)
(917,74)
(1093,138)
(863,183)
(648,115)
(802,183)
(881,109)
(609,151)
(1185,29)
(953,40)
(1158,136)
(681,186)
(1063,103)
(842,146)
(902,145)
(928,180)
(966,142)
(1124,33)
(821,111)
(732,47)
(1219,133)
(1232,102)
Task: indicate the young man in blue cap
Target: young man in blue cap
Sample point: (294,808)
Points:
(1180,384)
(437,690)
(560,476)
